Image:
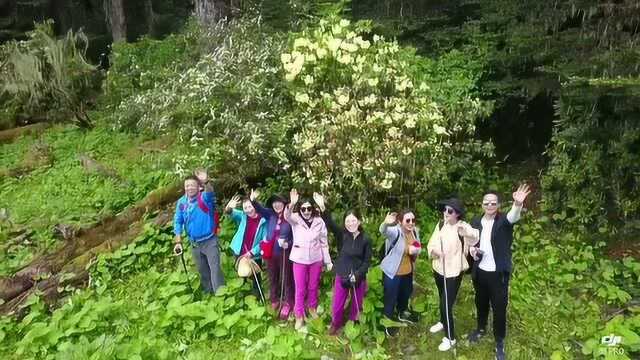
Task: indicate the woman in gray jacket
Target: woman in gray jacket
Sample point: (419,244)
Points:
(401,247)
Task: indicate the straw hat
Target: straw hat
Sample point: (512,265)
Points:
(244,265)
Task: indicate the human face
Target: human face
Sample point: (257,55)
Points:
(490,204)
(306,210)
(409,221)
(450,215)
(351,223)
(278,206)
(248,209)
(191,188)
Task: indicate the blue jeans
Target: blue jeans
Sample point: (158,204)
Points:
(206,256)
(397,292)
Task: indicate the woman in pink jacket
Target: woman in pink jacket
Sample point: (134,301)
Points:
(309,252)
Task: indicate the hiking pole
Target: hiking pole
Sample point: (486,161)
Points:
(184,266)
(355,299)
(446,299)
(283,259)
(255,277)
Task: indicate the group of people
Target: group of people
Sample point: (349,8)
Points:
(292,238)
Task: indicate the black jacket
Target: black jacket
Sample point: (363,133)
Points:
(501,240)
(354,255)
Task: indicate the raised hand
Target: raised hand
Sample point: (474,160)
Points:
(233,203)
(521,194)
(294,197)
(391,218)
(319,199)
(463,228)
(201,174)
(254,194)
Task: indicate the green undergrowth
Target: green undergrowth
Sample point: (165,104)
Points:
(65,192)
(138,306)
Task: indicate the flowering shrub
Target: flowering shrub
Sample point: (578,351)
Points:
(366,115)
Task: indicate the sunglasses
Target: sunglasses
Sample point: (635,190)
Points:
(449,210)
(492,203)
(306,208)
(410,221)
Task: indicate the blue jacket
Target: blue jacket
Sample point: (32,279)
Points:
(272,216)
(198,224)
(391,261)
(240,218)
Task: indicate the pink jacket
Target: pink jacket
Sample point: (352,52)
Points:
(310,244)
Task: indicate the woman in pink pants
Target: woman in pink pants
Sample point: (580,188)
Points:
(352,264)
(309,252)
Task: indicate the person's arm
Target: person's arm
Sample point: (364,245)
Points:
(388,227)
(519,196)
(291,217)
(178,222)
(236,215)
(433,246)
(324,246)
(333,227)
(263,211)
(470,235)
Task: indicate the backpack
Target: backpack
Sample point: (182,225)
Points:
(216,216)
(382,252)
(470,259)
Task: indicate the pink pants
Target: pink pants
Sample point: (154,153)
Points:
(340,295)
(307,282)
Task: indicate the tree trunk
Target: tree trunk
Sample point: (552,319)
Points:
(116,19)
(211,11)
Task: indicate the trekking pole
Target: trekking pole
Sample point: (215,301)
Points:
(283,259)
(355,299)
(255,277)
(184,266)
(446,299)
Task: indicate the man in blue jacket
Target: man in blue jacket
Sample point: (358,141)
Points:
(195,216)
(493,266)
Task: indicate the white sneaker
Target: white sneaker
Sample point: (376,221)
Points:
(299,323)
(437,327)
(446,344)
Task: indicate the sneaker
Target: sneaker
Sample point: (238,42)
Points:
(437,327)
(500,355)
(299,323)
(391,331)
(408,317)
(446,344)
(476,335)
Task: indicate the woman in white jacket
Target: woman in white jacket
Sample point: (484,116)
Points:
(448,247)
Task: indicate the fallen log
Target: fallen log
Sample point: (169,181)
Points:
(108,229)
(10,135)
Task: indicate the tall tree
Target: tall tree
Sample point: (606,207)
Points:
(210,11)
(114,9)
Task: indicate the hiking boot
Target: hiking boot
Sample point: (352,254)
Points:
(500,355)
(446,344)
(313,313)
(284,312)
(436,327)
(333,331)
(476,335)
(408,317)
(391,331)
(299,323)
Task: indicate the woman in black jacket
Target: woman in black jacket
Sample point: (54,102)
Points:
(354,257)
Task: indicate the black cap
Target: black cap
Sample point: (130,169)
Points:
(453,203)
(274,198)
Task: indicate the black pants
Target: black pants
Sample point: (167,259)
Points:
(397,292)
(492,288)
(453,285)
